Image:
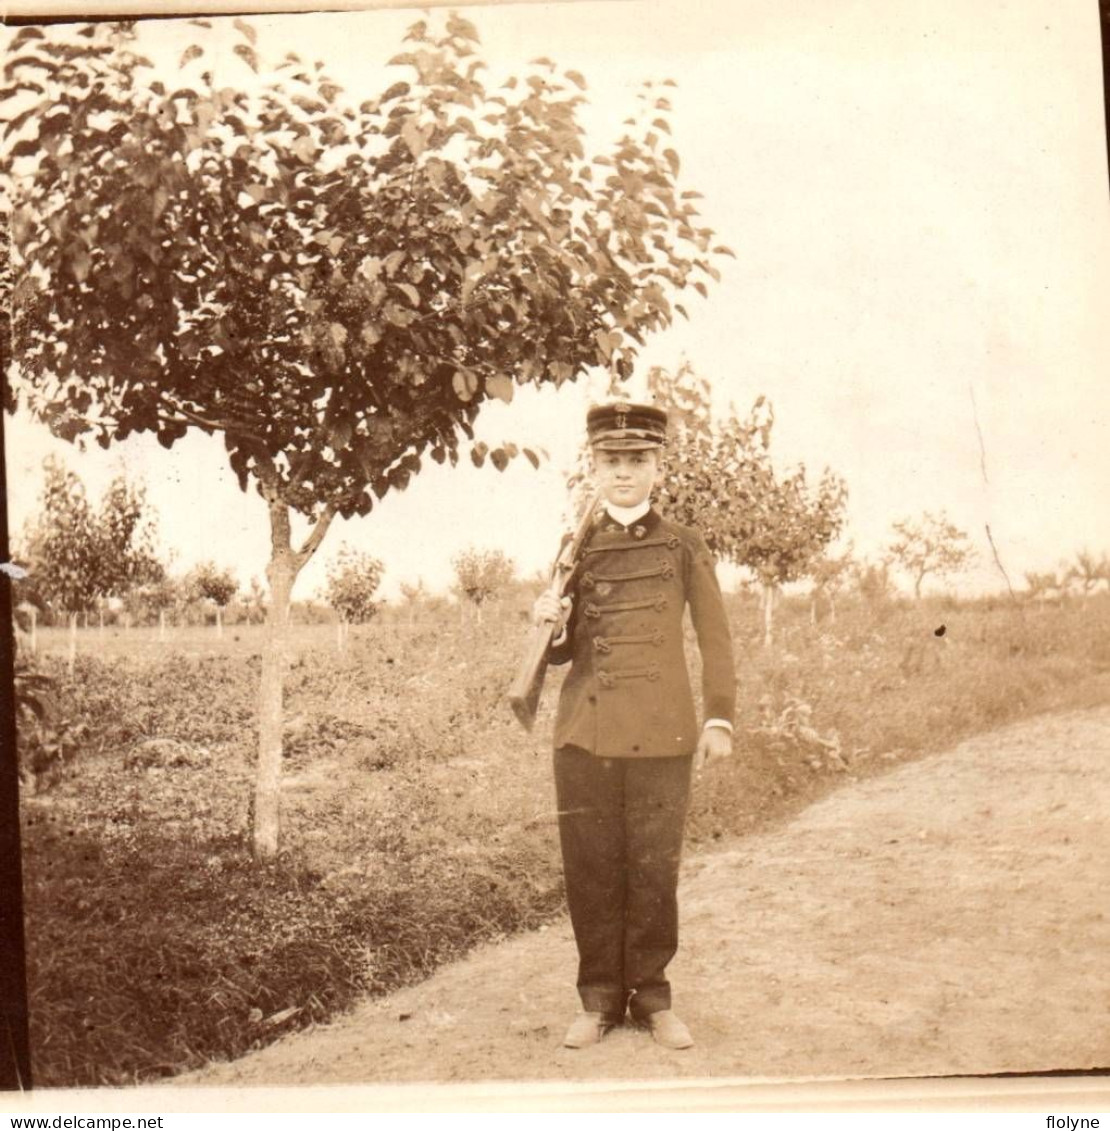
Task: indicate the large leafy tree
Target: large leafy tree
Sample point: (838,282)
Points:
(334,289)
(720,478)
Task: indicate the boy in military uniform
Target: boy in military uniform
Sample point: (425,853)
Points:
(626,733)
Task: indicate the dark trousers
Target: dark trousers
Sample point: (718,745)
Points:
(620,827)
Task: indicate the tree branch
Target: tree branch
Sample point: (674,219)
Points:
(316,534)
(191,417)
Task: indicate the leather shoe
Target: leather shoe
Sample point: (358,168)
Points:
(587,1029)
(668,1030)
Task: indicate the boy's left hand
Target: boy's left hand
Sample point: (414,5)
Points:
(715,742)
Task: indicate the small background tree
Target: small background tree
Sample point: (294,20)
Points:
(1088,572)
(872,584)
(480,575)
(1043,587)
(719,478)
(252,603)
(79,556)
(148,604)
(413,595)
(352,581)
(206,582)
(929,546)
(829,573)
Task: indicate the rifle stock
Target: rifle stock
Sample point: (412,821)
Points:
(524,694)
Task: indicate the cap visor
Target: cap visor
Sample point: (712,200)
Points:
(627,445)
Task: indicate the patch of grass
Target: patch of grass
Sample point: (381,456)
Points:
(890,689)
(418,819)
(160,954)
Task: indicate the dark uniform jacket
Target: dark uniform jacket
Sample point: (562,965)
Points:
(628,694)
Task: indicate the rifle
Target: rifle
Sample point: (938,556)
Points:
(524,695)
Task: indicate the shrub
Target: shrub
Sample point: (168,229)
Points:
(46,743)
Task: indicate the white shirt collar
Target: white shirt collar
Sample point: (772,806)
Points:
(626,516)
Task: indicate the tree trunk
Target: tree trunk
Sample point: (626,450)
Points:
(917,586)
(832,609)
(281,573)
(72,661)
(285,564)
(100,614)
(219,623)
(34,630)
(341,634)
(768,612)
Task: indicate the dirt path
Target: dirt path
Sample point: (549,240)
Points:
(951,917)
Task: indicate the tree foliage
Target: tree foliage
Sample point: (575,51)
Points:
(79,555)
(929,546)
(871,580)
(61,545)
(352,582)
(335,289)
(720,478)
(829,573)
(482,574)
(254,602)
(1088,571)
(146,602)
(1043,586)
(207,582)
(413,593)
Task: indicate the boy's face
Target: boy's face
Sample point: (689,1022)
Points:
(626,477)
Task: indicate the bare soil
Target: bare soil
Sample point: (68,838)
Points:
(950,917)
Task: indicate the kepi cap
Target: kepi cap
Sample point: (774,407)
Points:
(623,426)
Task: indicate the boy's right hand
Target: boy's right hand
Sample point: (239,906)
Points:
(550,607)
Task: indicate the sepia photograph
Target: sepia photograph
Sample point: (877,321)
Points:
(558,553)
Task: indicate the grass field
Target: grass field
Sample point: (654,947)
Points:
(418,817)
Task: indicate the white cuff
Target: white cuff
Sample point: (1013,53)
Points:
(724,724)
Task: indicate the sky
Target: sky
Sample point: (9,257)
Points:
(917,198)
